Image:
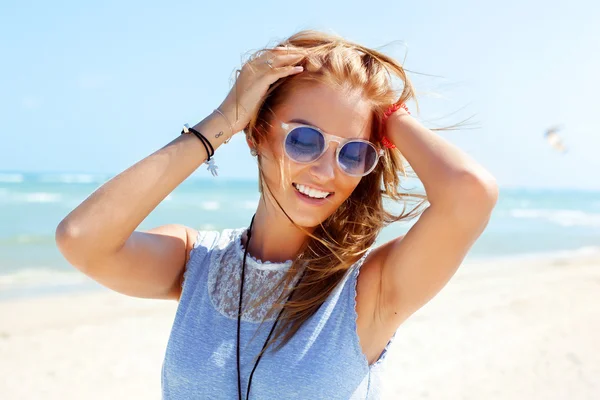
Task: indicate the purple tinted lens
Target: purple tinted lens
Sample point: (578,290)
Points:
(357,158)
(304,144)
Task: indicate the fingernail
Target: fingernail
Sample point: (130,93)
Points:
(299,68)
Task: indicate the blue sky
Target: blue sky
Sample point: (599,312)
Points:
(97,86)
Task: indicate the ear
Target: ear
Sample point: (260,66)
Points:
(253,150)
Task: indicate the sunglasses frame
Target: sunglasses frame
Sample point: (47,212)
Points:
(289,127)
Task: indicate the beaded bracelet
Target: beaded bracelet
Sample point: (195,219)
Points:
(391,109)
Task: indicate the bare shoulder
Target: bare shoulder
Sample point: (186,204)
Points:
(191,235)
(151,264)
(182,232)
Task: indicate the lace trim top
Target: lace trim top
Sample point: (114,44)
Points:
(260,278)
(323,359)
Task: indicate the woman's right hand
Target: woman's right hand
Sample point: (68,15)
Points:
(254,80)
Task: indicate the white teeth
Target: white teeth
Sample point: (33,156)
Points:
(311,192)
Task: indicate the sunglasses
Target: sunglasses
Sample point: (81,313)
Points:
(305,144)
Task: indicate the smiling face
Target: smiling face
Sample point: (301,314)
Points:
(297,186)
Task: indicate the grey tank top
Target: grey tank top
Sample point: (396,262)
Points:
(323,360)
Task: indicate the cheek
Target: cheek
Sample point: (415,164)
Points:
(277,168)
(346,186)
(280,172)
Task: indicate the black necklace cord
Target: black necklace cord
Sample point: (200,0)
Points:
(269,337)
(240,307)
(239,318)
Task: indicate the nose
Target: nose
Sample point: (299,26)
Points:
(323,169)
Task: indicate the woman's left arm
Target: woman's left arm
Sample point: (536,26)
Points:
(461,194)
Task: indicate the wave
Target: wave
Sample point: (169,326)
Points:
(41,276)
(249,205)
(34,197)
(567,218)
(11,178)
(42,197)
(570,254)
(210,205)
(72,178)
(27,239)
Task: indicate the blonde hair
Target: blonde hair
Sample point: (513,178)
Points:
(346,235)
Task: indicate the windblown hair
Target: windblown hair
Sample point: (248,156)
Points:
(347,234)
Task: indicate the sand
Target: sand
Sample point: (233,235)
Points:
(509,329)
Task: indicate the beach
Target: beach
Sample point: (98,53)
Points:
(518,321)
(516,328)
(96,94)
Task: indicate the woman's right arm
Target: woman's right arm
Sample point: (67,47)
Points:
(99,238)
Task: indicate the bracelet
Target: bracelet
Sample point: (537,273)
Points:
(391,109)
(228,123)
(210,150)
(205,141)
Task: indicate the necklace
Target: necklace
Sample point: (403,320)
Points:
(240,315)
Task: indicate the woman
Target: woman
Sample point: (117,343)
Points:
(330,134)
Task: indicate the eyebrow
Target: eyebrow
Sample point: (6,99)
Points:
(303,122)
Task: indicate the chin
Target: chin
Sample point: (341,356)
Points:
(305,220)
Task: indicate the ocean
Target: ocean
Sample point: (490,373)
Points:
(525,223)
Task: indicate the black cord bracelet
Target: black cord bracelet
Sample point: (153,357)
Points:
(205,142)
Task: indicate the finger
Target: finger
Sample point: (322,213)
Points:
(289,50)
(282,72)
(289,56)
(281,60)
(278,52)
(269,61)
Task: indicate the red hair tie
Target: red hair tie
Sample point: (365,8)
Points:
(391,109)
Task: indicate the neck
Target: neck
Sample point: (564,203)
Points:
(274,237)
